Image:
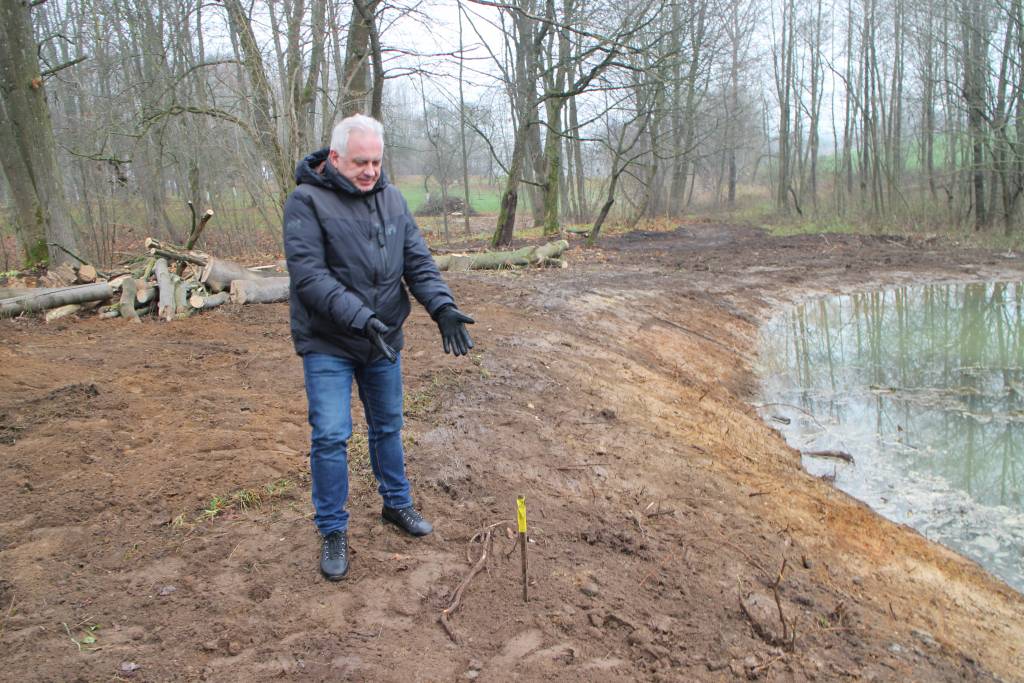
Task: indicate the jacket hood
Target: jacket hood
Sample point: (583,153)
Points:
(314,170)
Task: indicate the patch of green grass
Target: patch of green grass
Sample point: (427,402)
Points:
(824,224)
(478,360)
(216,506)
(86,632)
(131,551)
(247,499)
(242,499)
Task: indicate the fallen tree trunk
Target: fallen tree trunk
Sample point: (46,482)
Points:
(202,303)
(527,256)
(18,292)
(219,274)
(262,291)
(61,312)
(54,297)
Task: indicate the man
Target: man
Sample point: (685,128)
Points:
(353,248)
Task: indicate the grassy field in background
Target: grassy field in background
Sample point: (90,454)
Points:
(484,197)
(247,230)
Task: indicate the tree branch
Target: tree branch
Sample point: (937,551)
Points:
(65,65)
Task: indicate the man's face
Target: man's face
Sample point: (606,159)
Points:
(361,161)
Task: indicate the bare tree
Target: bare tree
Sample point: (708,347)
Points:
(27,147)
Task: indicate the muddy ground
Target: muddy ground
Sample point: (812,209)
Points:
(615,395)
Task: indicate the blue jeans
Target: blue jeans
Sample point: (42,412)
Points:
(329,392)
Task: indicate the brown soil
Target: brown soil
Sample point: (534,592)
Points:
(615,395)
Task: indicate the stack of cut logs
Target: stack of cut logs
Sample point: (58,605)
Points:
(173,284)
(176,282)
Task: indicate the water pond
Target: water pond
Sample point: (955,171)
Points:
(924,387)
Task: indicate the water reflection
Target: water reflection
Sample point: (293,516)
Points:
(924,386)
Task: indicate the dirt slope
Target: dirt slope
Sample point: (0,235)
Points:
(614,394)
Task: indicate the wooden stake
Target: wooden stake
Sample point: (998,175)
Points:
(521,508)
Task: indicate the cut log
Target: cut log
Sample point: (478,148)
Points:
(218,274)
(52,298)
(62,312)
(181,307)
(86,274)
(127,304)
(144,291)
(116,282)
(546,254)
(200,302)
(165,307)
(263,291)
(61,276)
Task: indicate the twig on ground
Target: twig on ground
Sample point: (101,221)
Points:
(794,407)
(7,617)
(485,540)
(837,455)
(368,636)
(788,638)
(764,667)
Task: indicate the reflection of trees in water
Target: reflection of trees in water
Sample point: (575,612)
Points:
(936,369)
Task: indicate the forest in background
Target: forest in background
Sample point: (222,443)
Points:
(116,113)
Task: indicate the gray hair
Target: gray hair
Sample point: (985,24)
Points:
(359,122)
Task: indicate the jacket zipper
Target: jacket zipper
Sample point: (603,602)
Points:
(378,235)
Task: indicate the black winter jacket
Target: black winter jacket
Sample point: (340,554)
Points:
(351,255)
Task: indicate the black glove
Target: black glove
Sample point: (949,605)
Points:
(375,331)
(452,323)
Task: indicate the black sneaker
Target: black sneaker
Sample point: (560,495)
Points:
(334,556)
(408,520)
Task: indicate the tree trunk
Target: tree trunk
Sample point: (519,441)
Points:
(462,135)
(218,274)
(28,152)
(261,98)
(975,70)
(527,256)
(264,291)
(356,83)
(61,296)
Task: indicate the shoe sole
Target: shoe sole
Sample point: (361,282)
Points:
(333,577)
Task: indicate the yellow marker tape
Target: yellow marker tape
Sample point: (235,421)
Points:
(521,506)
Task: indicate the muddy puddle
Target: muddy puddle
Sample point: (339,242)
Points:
(912,400)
